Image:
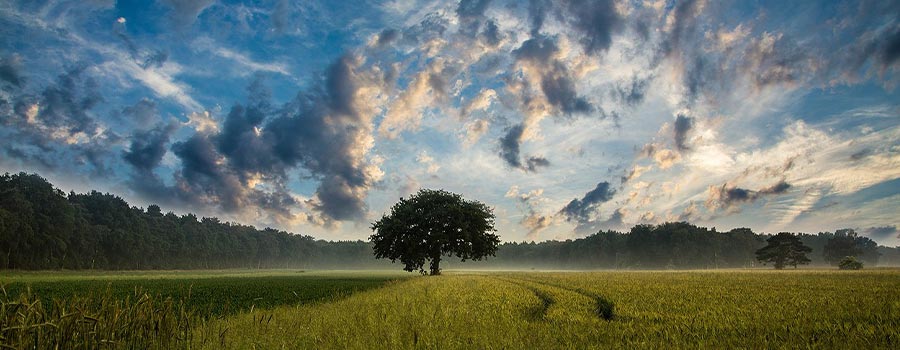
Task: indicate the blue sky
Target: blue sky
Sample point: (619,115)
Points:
(567,117)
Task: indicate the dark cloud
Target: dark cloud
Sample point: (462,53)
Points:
(881,231)
(491,34)
(889,47)
(509,146)
(861,154)
(731,197)
(185,12)
(241,139)
(682,126)
(510,151)
(557,83)
(537,13)
(539,49)
(632,92)
(148,147)
(56,126)
(471,16)
(582,210)
(536,162)
(778,188)
(471,8)
(11,70)
(323,131)
(387,36)
(144,113)
(66,103)
(596,21)
(684,25)
(156,58)
(202,179)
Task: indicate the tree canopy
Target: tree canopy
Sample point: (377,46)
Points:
(431,224)
(846,243)
(783,249)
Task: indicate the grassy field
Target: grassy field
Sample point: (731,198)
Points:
(517,310)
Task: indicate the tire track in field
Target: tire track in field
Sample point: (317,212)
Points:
(604,308)
(546,300)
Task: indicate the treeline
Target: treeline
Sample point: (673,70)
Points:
(678,245)
(42,227)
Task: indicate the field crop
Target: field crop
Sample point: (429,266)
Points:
(212,293)
(517,310)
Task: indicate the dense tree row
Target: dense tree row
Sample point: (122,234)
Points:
(44,228)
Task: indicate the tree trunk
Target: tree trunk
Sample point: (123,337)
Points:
(436,266)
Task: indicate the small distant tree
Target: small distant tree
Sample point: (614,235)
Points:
(432,224)
(784,249)
(850,263)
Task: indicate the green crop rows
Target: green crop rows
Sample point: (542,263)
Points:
(491,310)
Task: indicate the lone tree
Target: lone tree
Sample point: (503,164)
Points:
(850,263)
(783,249)
(432,224)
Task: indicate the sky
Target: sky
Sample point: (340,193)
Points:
(566,116)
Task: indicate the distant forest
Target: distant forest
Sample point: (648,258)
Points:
(42,227)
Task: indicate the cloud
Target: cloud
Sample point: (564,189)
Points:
(432,167)
(11,70)
(185,12)
(202,122)
(328,131)
(539,58)
(387,36)
(148,147)
(534,221)
(480,102)
(771,59)
(583,210)
(731,198)
(509,151)
(509,146)
(881,232)
(143,113)
(471,15)
(596,21)
(427,88)
(474,130)
(683,125)
(58,122)
(633,91)
(635,172)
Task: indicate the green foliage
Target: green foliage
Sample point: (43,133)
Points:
(850,263)
(784,249)
(140,311)
(431,224)
(209,294)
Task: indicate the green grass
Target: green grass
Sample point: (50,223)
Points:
(747,309)
(212,293)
